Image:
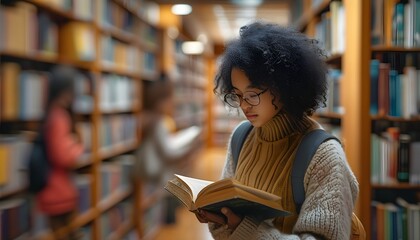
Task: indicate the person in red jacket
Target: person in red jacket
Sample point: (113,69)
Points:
(58,200)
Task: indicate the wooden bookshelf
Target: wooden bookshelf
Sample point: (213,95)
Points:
(397,186)
(357,123)
(30,58)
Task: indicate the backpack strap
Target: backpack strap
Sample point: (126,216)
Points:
(238,139)
(307,148)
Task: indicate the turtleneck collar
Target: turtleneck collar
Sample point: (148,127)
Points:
(283,125)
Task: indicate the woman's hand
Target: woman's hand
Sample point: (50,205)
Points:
(229,219)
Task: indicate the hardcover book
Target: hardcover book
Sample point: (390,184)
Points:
(212,196)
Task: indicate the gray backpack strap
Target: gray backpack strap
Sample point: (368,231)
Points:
(238,139)
(307,148)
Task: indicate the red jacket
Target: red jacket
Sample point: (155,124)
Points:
(60,195)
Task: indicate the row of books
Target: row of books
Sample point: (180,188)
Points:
(116,130)
(19,215)
(333,103)
(24,93)
(22,39)
(38,34)
(83,184)
(14,218)
(85,130)
(394,157)
(81,9)
(111,14)
(13,156)
(114,218)
(153,217)
(330,30)
(399,220)
(149,64)
(115,174)
(39,221)
(396,23)
(119,55)
(127,22)
(394,92)
(14,150)
(117,93)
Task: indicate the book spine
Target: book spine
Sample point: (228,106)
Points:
(403,160)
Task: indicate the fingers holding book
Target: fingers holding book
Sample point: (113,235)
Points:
(227,218)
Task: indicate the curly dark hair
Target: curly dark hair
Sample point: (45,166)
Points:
(286,61)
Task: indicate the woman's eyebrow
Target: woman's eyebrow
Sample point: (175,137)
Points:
(251,86)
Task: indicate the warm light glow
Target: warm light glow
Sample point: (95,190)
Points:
(192,47)
(202,38)
(247,3)
(181,9)
(173,32)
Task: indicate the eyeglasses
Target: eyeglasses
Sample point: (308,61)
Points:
(235,100)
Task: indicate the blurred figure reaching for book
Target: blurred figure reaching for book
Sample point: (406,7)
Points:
(164,150)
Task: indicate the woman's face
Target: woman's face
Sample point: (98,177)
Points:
(263,112)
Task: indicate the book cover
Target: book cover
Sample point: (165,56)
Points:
(377,22)
(414,175)
(383,89)
(212,196)
(374,76)
(10,90)
(4,164)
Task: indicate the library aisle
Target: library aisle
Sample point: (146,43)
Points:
(208,166)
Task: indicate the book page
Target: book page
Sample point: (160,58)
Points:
(231,183)
(195,184)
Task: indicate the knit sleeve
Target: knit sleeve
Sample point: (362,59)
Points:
(331,190)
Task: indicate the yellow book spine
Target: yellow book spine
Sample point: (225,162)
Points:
(10,90)
(4,164)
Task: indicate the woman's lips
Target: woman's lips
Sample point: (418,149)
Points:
(251,116)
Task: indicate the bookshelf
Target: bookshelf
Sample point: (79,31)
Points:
(222,120)
(358,123)
(116,48)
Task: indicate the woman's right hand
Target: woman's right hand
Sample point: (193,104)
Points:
(228,219)
(207,217)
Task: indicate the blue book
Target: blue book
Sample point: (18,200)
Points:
(374,77)
(393,75)
(399,92)
(399,24)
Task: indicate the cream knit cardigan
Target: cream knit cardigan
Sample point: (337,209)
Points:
(331,191)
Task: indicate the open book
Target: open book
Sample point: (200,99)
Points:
(212,196)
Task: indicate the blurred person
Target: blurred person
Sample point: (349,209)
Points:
(58,200)
(163,150)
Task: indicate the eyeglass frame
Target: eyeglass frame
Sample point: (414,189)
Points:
(241,98)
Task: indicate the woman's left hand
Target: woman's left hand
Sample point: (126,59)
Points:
(231,220)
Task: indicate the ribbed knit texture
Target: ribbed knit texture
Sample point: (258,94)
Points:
(330,186)
(267,158)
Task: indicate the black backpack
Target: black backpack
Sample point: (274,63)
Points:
(304,154)
(38,165)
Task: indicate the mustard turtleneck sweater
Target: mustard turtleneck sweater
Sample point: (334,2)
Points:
(265,163)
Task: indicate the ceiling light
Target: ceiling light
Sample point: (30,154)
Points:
(181,9)
(192,47)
